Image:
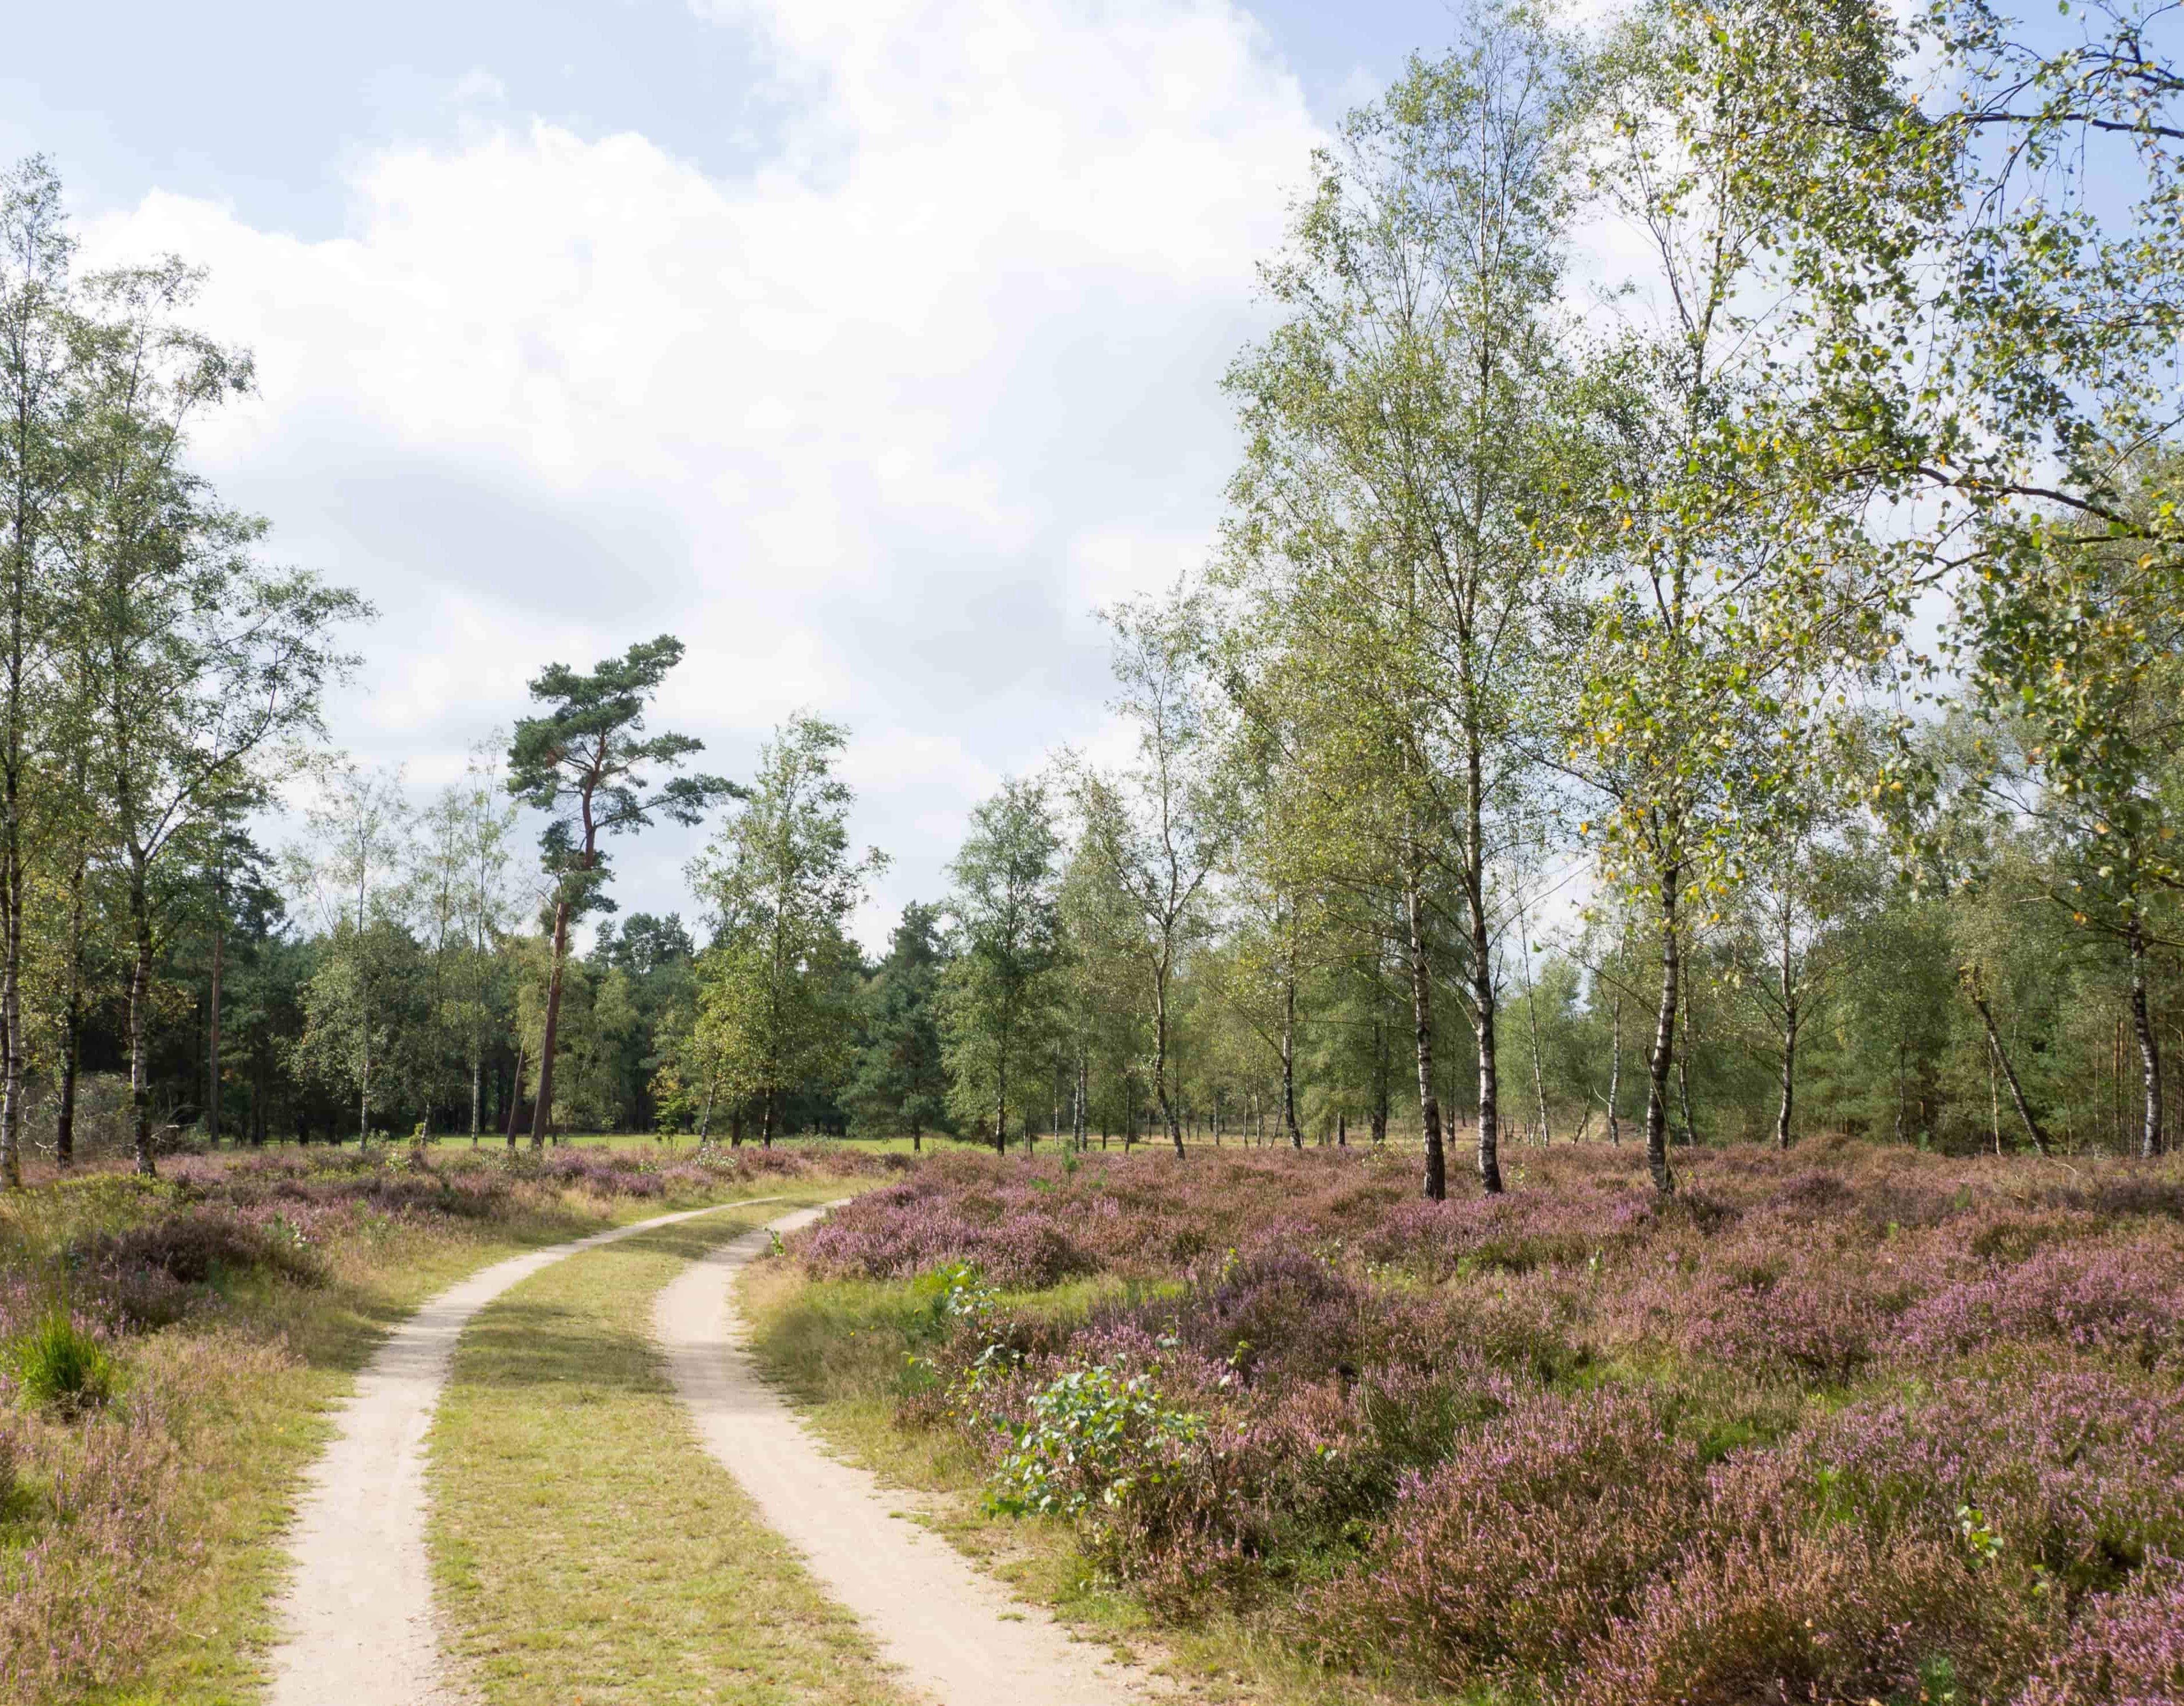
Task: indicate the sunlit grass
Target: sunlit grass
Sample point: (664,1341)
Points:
(586,1548)
(230,1408)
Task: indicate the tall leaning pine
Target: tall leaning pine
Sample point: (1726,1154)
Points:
(578,763)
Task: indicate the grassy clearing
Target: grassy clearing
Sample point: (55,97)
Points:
(140,1543)
(838,1347)
(587,1548)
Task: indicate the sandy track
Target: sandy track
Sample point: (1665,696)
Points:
(956,1634)
(357,1617)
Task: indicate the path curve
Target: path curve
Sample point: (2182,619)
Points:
(356,1619)
(956,1632)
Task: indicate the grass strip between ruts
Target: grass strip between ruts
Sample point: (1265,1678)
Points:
(252,1388)
(586,1550)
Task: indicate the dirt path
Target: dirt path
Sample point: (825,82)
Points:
(956,1634)
(357,1618)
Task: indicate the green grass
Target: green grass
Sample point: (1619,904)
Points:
(588,1549)
(243,1398)
(58,1365)
(838,1347)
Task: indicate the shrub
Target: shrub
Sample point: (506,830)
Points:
(2127,1648)
(1267,1316)
(2127,1303)
(1840,1616)
(2078,1478)
(61,1364)
(203,1244)
(1813,1321)
(1095,1434)
(911,1232)
(1392,1429)
(1534,1537)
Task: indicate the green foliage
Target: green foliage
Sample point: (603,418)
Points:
(999,990)
(1096,1435)
(57,1363)
(779,985)
(581,762)
(900,1082)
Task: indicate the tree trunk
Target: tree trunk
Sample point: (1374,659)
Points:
(1789,992)
(2152,1139)
(1664,1041)
(212,1034)
(1539,1070)
(71,1028)
(1485,1018)
(11,928)
(1165,1101)
(2002,1059)
(1532,1019)
(11,843)
(1436,1171)
(1002,1099)
(542,1113)
(1082,1096)
(1615,1068)
(1288,1063)
(516,1094)
(140,1001)
(1788,1079)
(766,1117)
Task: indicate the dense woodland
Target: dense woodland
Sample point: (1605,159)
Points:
(1723,694)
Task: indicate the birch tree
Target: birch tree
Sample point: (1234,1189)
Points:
(781,884)
(1000,987)
(39,395)
(1153,824)
(1400,422)
(206,666)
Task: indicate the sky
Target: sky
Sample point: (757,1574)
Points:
(868,346)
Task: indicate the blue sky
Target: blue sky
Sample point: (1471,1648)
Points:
(867,344)
(264,106)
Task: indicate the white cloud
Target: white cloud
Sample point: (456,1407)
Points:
(870,426)
(476,85)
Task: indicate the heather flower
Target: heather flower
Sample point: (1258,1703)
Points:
(2126,1649)
(1532,1538)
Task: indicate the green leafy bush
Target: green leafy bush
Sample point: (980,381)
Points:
(1096,1433)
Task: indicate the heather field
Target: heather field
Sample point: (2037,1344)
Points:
(171,1344)
(1847,1423)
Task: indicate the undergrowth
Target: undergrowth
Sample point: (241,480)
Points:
(169,1347)
(1848,1425)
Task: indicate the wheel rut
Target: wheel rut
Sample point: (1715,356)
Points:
(953,1631)
(357,1618)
